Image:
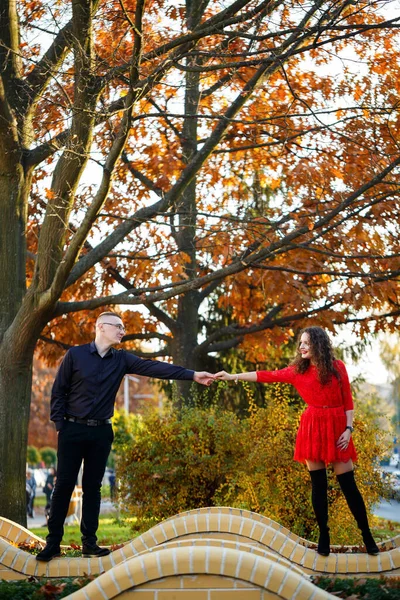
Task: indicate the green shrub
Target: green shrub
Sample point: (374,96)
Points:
(49,456)
(32,456)
(177,462)
(207,456)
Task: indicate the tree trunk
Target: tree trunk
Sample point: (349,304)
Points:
(19,329)
(185,342)
(15,374)
(15,395)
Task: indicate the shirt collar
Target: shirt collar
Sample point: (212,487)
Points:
(93,350)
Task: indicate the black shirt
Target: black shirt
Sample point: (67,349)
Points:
(86,383)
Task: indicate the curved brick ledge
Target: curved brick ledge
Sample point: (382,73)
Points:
(229,525)
(195,571)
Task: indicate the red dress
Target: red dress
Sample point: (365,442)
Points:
(324,420)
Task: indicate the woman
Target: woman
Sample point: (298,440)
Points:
(325,429)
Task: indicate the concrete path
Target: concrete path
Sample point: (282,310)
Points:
(388,509)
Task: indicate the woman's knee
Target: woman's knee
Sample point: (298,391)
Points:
(343,467)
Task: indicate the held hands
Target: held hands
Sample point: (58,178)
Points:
(203,377)
(224,376)
(343,441)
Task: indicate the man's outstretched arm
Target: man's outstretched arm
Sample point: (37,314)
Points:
(163,370)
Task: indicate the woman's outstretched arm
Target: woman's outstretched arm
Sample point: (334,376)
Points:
(224,376)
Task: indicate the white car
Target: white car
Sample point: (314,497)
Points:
(394,460)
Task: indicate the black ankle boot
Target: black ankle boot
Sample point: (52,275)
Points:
(357,507)
(319,498)
(324,542)
(369,542)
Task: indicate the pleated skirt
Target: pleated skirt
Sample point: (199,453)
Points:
(319,431)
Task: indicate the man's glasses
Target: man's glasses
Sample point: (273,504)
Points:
(118,325)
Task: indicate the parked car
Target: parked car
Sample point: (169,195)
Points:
(394,460)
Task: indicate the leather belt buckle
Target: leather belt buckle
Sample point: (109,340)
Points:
(92,422)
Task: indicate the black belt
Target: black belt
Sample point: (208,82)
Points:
(90,422)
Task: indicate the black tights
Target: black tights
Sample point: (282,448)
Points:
(319,499)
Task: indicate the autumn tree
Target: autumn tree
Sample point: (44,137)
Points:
(188,150)
(294,152)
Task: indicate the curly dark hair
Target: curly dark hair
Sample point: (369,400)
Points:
(323,356)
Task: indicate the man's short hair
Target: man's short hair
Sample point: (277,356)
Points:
(107,314)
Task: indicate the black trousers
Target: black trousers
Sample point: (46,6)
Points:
(76,443)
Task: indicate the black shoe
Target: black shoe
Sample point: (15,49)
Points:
(369,542)
(49,551)
(324,543)
(94,550)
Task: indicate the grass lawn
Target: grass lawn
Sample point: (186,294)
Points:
(109,532)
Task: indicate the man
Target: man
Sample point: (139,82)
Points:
(82,404)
